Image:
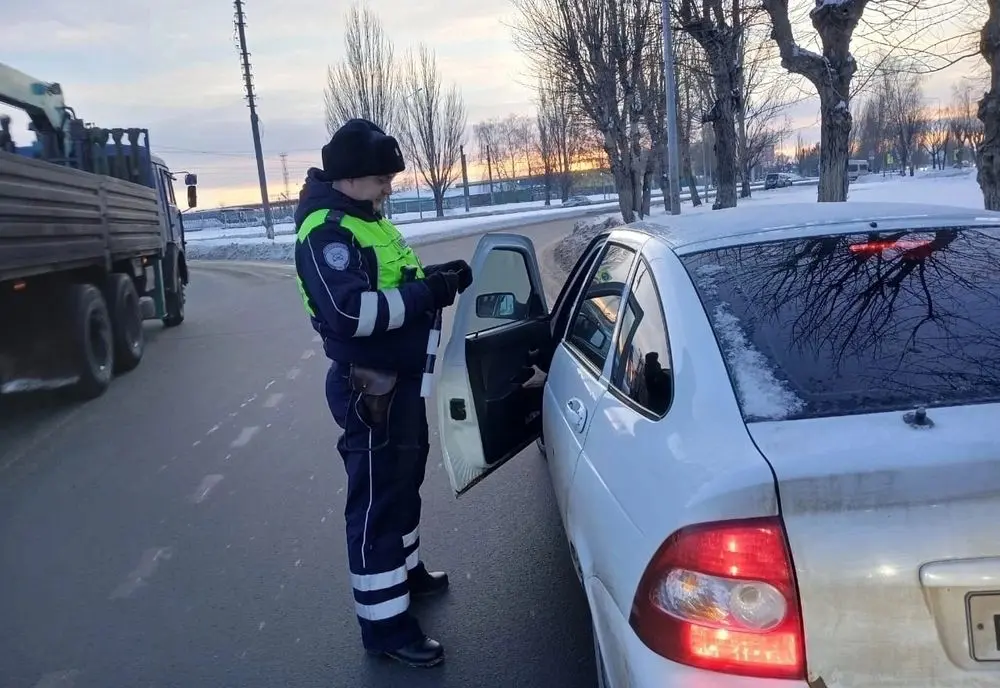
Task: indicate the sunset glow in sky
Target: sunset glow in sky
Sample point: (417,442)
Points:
(173,68)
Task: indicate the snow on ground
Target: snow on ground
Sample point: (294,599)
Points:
(940,187)
(947,187)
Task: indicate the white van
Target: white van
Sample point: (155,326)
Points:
(856,168)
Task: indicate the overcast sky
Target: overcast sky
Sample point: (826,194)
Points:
(173,68)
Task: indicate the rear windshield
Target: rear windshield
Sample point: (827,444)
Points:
(857,323)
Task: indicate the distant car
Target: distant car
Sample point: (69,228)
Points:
(776,180)
(771,435)
(574,201)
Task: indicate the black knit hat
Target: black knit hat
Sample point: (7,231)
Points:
(361,149)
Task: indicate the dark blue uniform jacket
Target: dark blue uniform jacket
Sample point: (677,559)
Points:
(386,330)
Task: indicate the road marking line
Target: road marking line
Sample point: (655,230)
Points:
(246,434)
(293,373)
(58,679)
(148,564)
(307,354)
(274,400)
(268,385)
(212,429)
(206,485)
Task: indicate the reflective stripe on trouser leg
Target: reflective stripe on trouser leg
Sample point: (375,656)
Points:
(418,467)
(377,487)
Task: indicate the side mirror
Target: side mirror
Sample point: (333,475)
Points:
(192,197)
(497,305)
(190,179)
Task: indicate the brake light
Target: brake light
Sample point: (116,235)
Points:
(722,596)
(870,247)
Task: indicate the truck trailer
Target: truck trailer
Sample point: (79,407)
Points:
(91,245)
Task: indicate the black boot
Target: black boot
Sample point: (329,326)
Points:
(424,583)
(426,652)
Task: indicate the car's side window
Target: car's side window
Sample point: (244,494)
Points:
(504,293)
(593,325)
(642,369)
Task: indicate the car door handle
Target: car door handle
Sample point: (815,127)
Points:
(576,412)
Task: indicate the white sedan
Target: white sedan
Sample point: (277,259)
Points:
(772,436)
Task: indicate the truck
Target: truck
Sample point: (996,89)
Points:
(91,245)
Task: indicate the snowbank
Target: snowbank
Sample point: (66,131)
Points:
(568,251)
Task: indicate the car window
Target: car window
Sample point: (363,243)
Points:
(642,370)
(593,324)
(503,291)
(859,323)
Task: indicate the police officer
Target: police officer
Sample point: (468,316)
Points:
(373,303)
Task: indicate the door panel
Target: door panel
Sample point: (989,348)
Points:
(499,364)
(577,378)
(485,413)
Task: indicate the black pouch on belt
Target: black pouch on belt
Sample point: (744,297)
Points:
(376,387)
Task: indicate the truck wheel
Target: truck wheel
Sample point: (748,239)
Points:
(126,320)
(174,297)
(92,341)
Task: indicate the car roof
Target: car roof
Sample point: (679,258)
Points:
(696,231)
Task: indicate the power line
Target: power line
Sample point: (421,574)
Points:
(254,123)
(284,173)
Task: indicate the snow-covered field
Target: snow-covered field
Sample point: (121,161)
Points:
(944,187)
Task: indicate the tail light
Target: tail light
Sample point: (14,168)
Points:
(722,596)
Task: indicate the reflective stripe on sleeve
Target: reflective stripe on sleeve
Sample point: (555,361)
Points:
(367,314)
(397,309)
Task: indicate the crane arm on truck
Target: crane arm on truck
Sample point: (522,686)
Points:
(44,104)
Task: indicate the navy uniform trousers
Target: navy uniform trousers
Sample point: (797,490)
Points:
(385,469)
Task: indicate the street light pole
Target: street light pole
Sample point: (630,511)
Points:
(672,161)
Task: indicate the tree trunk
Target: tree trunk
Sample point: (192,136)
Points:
(835,134)
(988,153)
(647,192)
(744,150)
(725,156)
(438,201)
(687,173)
(623,182)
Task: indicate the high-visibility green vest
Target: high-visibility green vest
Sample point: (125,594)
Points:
(391,250)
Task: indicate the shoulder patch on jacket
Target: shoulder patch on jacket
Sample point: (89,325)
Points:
(337,255)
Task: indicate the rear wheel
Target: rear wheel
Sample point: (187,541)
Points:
(174,296)
(126,320)
(91,340)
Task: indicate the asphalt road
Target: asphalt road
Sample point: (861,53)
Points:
(186,529)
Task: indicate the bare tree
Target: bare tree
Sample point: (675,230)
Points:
(560,132)
(890,27)
(719,28)
(436,124)
(760,119)
(901,93)
(365,83)
(694,93)
(489,145)
(988,154)
(935,138)
(601,45)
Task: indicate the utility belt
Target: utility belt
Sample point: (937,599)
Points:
(376,388)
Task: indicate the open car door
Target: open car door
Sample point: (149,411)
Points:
(488,392)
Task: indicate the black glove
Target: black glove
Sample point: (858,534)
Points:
(443,285)
(459,267)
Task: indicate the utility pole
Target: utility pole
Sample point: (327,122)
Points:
(672,162)
(465,177)
(284,174)
(254,125)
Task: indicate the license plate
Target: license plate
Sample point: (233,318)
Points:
(984,626)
